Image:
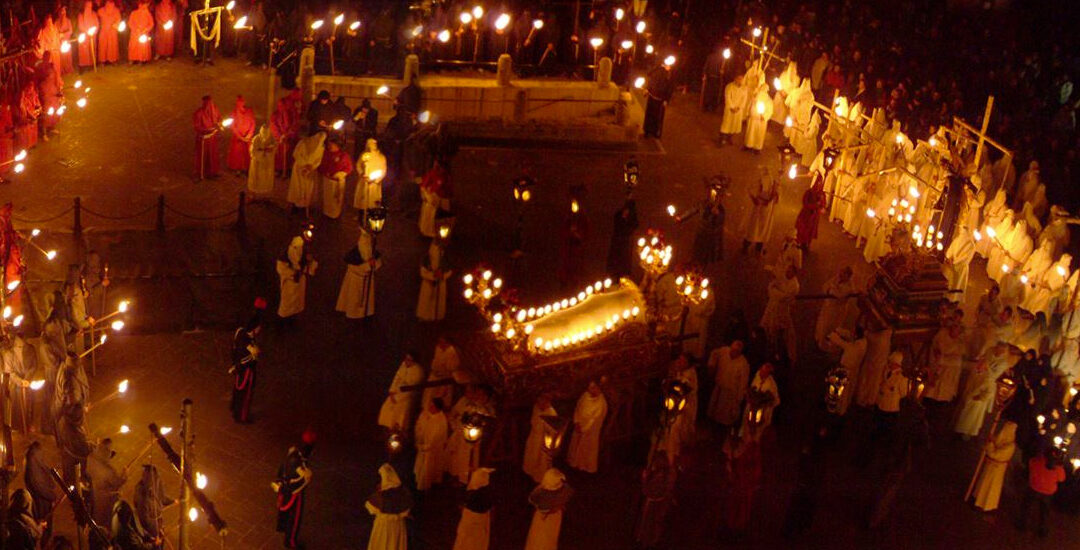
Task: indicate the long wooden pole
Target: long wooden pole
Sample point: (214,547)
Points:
(982,131)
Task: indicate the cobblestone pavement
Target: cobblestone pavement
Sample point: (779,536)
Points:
(134,142)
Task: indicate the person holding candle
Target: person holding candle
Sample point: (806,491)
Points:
(164,33)
(260,179)
(307,156)
(293,270)
(87,20)
(207,124)
(141,25)
(761,109)
(65,30)
(108,33)
(243,131)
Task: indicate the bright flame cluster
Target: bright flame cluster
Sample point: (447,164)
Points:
(931,239)
(902,210)
(692,286)
(654,253)
(481,287)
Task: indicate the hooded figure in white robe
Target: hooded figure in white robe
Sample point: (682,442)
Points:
(992,214)
(549,499)
(260,180)
(777,317)
(1029,184)
(357,295)
(878,346)
(390,505)
(397,408)
(764,196)
(998,453)
(1027,213)
(732,378)
(431,304)
(735,94)
(444,366)
(464,456)
(431,435)
(979,391)
(758,124)
(1057,231)
(474,529)
(834,310)
(957,263)
(293,271)
(584,452)
(536,460)
(371,166)
(807,144)
(307,155)
(946,360)
(852,355)
(1046,292)
(1000,236)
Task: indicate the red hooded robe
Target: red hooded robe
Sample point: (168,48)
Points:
(284,124)
(806,225)
(7,139)
(63,27)
(243,130)
(334,162)
(108,46)
(206,121)
(50,87)
(140,23)
(28,113)
(87,20)
(164,39)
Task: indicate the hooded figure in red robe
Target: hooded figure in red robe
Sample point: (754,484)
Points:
(243,131)
(285,125)
(108,46)
(64,29)
(50,90)
(813,204)
(88,19)
(7,140)
(11,256)
(164,37)
(48,40)
(27,115)
(207,123)
(140,25)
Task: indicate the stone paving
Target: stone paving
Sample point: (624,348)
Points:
(134,142)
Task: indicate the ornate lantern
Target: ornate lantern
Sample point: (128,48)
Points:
(1006,389)
(837,381)
(757,402)
(394,442)
(917,383)
(444,224)
(829,155)
(473,425)
(523,189)
(673,395)
(376,218)
(787,155)
(631,172)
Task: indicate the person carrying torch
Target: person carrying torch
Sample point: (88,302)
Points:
(207,123)
(141,22)
(88,27)
(164,32)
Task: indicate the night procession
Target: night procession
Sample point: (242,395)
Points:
(539,274)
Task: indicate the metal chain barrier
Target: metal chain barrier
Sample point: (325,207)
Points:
(43,220)
(135,215)
(199,218)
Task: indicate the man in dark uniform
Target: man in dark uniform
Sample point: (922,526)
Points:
(366,124)
(245,357)
(660,89)
(712,80)
(292,479)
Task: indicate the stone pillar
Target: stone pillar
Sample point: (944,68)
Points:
(412,69)
(603,72)
(307,74)
(504,70)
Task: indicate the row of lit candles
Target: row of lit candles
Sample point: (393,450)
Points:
(584,336)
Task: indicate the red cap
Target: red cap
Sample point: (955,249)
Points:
(309,437)
(260,303)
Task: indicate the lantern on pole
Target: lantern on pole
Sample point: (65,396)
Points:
(631,172)
(473,425)
(553,435)
(836,383)
(787,155)
(673,400)
(829,156)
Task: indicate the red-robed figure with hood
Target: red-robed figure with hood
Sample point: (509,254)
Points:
(88,19)
(11,255)
(50,91)
(813,204)
(27,115)
(108,33)
(207,123)
(285,125)
(7,140)
(140,25)
(165,37)
(243,130)
(63,27)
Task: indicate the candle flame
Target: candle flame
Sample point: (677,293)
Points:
(317,24)
(193,513)
(227,122)
(17,320)
(122,26)
(65,47)
(241,23)
(201,481)
(640,27)
(165,430)
(383,90)
(354,25)
(37,385)
(168,25)
(339,19)
(538,24)
(639,82)
(669,60)
(124,429)
(21,156)
(50,255)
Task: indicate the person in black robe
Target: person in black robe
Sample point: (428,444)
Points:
(365,126)
(245,359)
(409,98)
(293,477)
(398,129)
(39,481)
(72,440)
(711,81)
(23,531)
(127,535)
(320,113)
(709,239)
(660,89)
(574,234)
(620,258)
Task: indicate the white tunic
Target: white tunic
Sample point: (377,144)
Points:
(333,195)
(537,461)
(957,263)
(372,169)
(389,531)
(584,452)
(431,304)
(431,435)
(732,379)
(261,170)
(357,295)
(293,281)
(396,411)
(734,103)
(834,310)
(764,197)
(758,123)
(307,155)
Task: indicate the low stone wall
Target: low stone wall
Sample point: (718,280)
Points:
(519,103)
